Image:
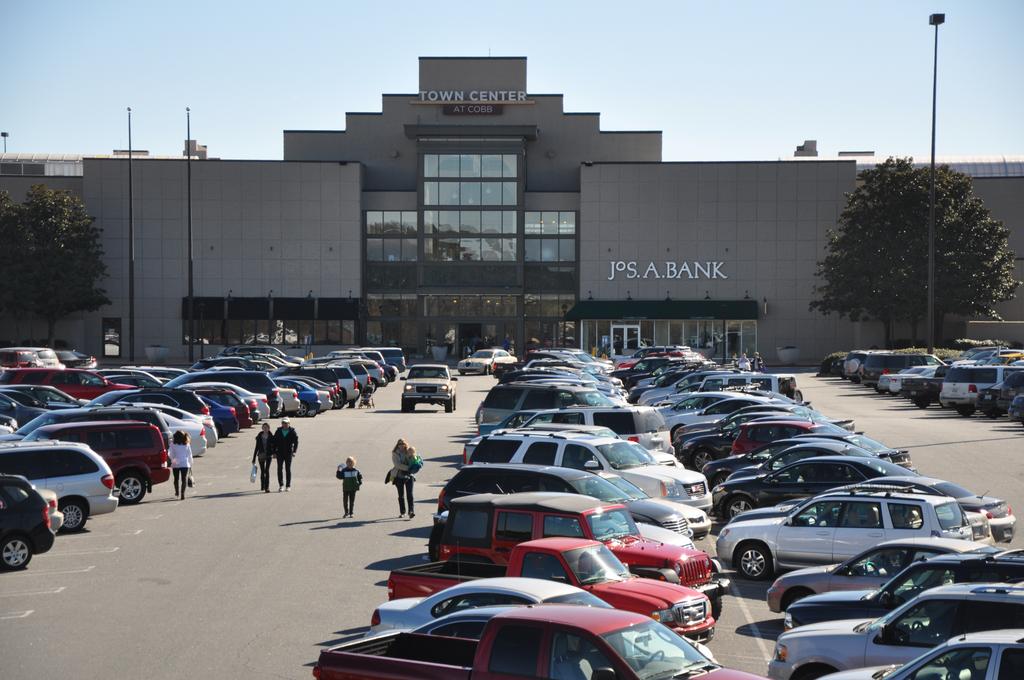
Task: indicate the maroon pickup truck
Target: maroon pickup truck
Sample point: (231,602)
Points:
(546,641)
(585,564)
(485,528)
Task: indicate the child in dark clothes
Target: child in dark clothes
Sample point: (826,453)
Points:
(351,480)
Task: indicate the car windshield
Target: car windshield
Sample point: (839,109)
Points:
(866,443)
(627,487)
(624,455)
(482,354)
(951,489)
(951,516)
(583,599)
(428,372)
(24,398)
(52,394)
(37,422)
(595,564)
(654,652)
(612,525)
(592,398)
(599,488)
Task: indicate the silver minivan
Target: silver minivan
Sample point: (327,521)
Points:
(81,479)
(962,384)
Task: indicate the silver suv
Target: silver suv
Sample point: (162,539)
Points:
(429,384)
(962,384)
(834,527)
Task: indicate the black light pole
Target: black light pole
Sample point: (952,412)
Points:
(131,248)
(5,135)
(188,190)
(934,20)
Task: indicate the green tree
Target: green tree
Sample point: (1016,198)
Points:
(876,261)
(56,261)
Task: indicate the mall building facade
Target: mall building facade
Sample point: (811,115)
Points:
(471,213)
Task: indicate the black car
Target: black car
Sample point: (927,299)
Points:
(878,364)
(986,565)
(24,523)
(186,400)
(49,396)
(72,358)
(924,391)
(19,407)
(899,456)
(645,366)
(696,448)
(809,477)
(636,376)
(995,401)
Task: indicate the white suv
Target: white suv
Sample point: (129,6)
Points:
(81,479)
(596,454)
(834,527)
(962,384)
(928,620)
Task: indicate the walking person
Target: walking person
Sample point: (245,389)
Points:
(180,455)
(264,453)
(351,481)
(286,445)
(758,362)
(401,457)
(744,363)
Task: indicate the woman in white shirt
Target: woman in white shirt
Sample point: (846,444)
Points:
(180,455)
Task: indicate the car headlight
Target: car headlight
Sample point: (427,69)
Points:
(724,532)
(718,489)
(409,388)
(444,388)
(787,623)
(662,615)
(781,652)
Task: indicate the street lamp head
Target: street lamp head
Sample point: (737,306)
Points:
(936,19)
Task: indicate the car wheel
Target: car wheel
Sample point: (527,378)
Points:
(993,414)
(813,672)
(700,458)
(352,404)
(76,513)
(719,479)
(798,396)
(449,406)
(922,402)
(965,411)
(754,561)
(303,410)
(15,552)
(132,488)
(855,380)
(794,594)
(406,407)
(737,504)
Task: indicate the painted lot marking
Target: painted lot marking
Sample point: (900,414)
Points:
(755,629)
(93,551)
(51,572)
(26,593)
(4,616)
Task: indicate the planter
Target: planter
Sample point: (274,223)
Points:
(439,352)
(156,354)
(788,355)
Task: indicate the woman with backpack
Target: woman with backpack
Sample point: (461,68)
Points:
(405,464)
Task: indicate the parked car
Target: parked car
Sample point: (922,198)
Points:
(178,398)
(49,396)
(135,380)
(78,475)
(259,408)
(587,565)
(834,527)
(867,570)
(989,655)
(72,358)
(924,390)
(995,401)
(892,383)
(703,447)
(1016,411)
(225,417)
(504,400)
(928,620)
(119,412)
(853,362)
(978,564)
(484,527)
(784,384)
(585,452)
(260,349)
(160,372)
(483,361)
(75,382)
(20,407)
(225,398)
(880,363)
(962,383)
(25,526)
(134,451)
(809,477)
(257,382)
(709,408)
(32,357)
(209,426)
(530,643)
(640,424)
(309,401)
(429,384)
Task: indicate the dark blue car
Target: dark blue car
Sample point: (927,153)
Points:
(309,399)
(223,417)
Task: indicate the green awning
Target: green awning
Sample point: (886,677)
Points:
(662,309)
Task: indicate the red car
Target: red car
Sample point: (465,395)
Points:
(226,397)
(757,433)
(76,382)
(134,451)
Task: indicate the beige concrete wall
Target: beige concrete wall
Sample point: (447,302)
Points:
(18,186)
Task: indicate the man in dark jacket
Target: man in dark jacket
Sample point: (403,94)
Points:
(286,444)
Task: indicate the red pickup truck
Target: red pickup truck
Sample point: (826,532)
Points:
(585,564)
(485,528)
(546,641)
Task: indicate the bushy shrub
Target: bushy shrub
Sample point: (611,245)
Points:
(971,343)
(944,353)
(826,363)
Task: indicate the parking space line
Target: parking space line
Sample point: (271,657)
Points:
(93,551)
(754,628)
(152,517)
(4,616)
(51,572)
(26,593)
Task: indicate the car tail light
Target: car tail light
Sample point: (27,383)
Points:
(108,481)
(989,515)
(465,459)
(202,432)
(973,389)
(885,371)
(46,515)
(232,409)
(163,457)
(316,672)
(375,619)
(634,439)
(275,391)
(440,502)
(205,410)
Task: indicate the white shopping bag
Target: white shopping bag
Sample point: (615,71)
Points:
(253,473)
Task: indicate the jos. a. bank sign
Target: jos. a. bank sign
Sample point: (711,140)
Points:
(631,269)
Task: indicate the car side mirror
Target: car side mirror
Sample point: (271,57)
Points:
(454,379)
(604,673)
(402,378)
(885,599)
(591,465)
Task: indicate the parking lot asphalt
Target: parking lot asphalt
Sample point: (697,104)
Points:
(235,583)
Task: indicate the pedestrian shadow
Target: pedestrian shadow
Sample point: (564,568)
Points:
(347,523)
(769,629)
(226,494)
(393,563)
(414,532)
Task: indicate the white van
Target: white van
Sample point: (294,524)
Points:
(962,384)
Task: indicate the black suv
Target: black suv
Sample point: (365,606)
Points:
(995,401)
(875,366)
(985,565)
(24,522)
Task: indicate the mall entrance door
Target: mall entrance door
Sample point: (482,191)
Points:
(625,339)
(474,336)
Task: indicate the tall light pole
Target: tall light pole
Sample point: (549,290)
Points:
(5,135)
(131,248)
(934,20)
(191,292)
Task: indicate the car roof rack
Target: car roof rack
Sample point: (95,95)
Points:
(998,588)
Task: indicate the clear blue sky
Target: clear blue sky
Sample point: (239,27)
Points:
(723,80)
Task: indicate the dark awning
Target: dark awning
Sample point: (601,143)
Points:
(293,308)
(205,307)
(335,309)
(663,309)
(248,308)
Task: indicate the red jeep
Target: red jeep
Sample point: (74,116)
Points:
(485,528)
(76,382)
(134,451)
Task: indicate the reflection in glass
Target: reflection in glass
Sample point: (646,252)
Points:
(409,249)
(448,249)
(374,222)
(448,165)
(508,222)
(448,193)
(491,249)
(490,222)
(549,223)
(508,249)
(492,165)
(470,165)
(470,193)
(470,249)
(490,193)
(430,195)
(470,222)
(548,250)
(392,249)
(409,222)
(374,249)
(448,222)
(533,223)
(430,165)
(532,250)
(429,221)
(392,223)
(567,223)
(508,193)
(508,162)
(566,250)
